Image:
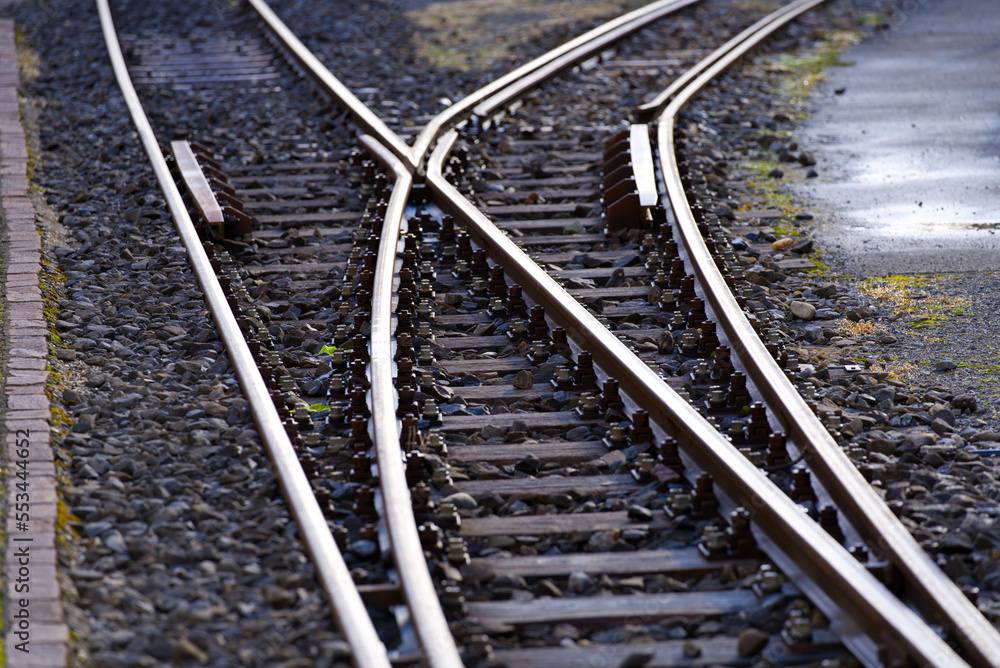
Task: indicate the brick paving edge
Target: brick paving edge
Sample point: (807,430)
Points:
(30,560)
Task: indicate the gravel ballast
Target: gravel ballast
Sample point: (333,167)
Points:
(182,551)
(178,547)
(918,415)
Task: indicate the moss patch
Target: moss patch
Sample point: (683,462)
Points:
(798,74)
(911,298)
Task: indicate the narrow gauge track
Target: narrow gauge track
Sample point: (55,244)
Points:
(265,397)
(542,483)
(788,412)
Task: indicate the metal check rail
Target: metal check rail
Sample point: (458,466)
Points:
(931,590)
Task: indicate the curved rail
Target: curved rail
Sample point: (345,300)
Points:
(827,572)
(655,106)
(428,618)
(873,606)
(331,571)
(934,592)
(388,148)
(364,117)
(491,96)
(533,73)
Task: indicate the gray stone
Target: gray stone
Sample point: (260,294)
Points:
(885,393)
(812,333)
(941,427)
(802,247)
(640,514)
(185,650)
(802,310)
(523,379)
(492,431)
(462,500)
(965,402)
(363,548)
(581,583)
(942,413)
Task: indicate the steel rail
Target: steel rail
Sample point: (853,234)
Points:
(364,117)
(484,101)
(429,622)
(349,611)
(428,617)
(655,106)
(528,75)
(830,569)
(931,589)
(534,72)
(433,633)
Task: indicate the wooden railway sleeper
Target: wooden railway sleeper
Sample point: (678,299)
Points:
(207,184)
(629,186)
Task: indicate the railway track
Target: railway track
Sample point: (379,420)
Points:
(557,434)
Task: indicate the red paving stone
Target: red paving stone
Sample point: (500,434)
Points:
(25,311)
(19,401)
(36,364)
(24,377)
(31,415)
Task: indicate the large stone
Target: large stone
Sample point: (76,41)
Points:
(580,583)
(524,379)
(802,310)
(462,500)
(941,412)
(184,650)
(812,333)
(941,427)
(962,402)
(751,642)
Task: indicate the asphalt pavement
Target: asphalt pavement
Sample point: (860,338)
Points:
(908,143)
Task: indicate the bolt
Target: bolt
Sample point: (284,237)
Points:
(518,329)
(616,438)
(435,443)
(640,431)
(447,513)
(610,398)
(439,479)
(539,351)
(798,627)
(669,455)
(589,407)
(563,378)
(425,356)
(700,375)
(457,553)
(714,542)
(424,330)
(431,413)
(716,400)
(430,537)
(679,501)
(497,307)
(767,580)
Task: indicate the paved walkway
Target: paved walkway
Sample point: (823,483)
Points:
(910,151)
(36,634)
